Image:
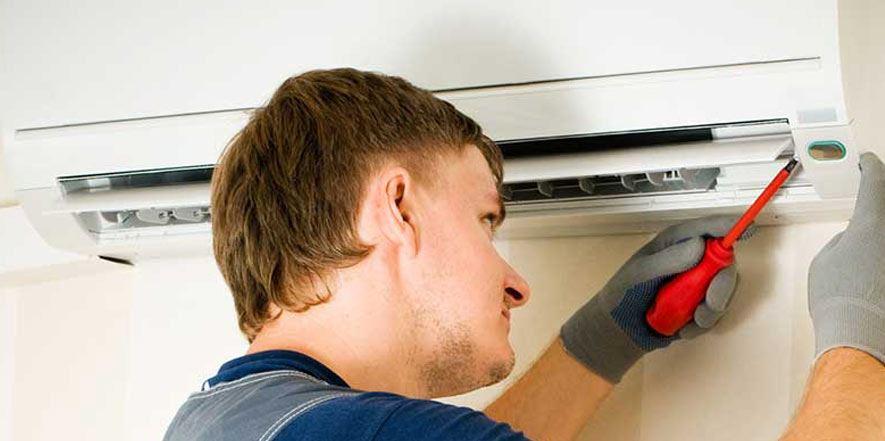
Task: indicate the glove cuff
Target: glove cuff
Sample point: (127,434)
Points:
(849,322)
(593,338)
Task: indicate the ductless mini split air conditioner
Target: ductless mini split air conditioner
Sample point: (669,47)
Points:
(608,148)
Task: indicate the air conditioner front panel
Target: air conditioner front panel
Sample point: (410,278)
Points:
(440,46)
(804,92)
(648,159)
(125,222)
(41,156)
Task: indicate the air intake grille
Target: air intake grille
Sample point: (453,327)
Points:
(613,185)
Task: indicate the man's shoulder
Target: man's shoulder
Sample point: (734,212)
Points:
(386,416)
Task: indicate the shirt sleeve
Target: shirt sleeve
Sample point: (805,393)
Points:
(389,417)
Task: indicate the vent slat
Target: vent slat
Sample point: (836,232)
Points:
(589,187)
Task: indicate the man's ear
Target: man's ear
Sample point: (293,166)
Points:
(397,218)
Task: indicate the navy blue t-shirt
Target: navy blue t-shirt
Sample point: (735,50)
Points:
(368,415)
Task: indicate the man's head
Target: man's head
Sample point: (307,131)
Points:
(346,170)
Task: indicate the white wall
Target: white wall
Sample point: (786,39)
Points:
(862,42)
(101,343)
(7,196)
(181,312)
(71,340)
(8,313)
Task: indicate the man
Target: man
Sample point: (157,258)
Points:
(353,219)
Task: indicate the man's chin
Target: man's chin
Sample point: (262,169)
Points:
(501,368)
(450,382)
(460,365)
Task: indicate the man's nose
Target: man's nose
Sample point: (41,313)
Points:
(516,288)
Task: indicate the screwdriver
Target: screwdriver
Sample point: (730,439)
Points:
(675,303)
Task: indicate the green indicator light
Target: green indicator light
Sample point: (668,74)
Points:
(826,150)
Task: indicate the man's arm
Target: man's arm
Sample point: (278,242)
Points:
(844,399)
(554,399)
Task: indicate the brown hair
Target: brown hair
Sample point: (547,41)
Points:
(287,190)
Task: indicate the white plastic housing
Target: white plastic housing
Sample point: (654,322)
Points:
(132,98)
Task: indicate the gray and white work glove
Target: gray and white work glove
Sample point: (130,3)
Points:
(846,281)
(609,333)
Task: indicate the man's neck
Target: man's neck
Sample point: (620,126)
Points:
(362,349)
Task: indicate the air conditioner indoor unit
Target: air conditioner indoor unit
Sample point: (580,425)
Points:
(613,152)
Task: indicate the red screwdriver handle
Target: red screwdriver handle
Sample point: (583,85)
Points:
(675,303)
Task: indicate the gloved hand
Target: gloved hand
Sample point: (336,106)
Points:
(846,281)
(609,333)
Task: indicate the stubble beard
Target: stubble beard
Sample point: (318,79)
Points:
(453,367)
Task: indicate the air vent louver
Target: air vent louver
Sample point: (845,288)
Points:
(615,185)
(121,220)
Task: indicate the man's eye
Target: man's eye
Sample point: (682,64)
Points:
(491,219)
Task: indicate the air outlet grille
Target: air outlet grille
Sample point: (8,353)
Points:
(101,222)
(614,185)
